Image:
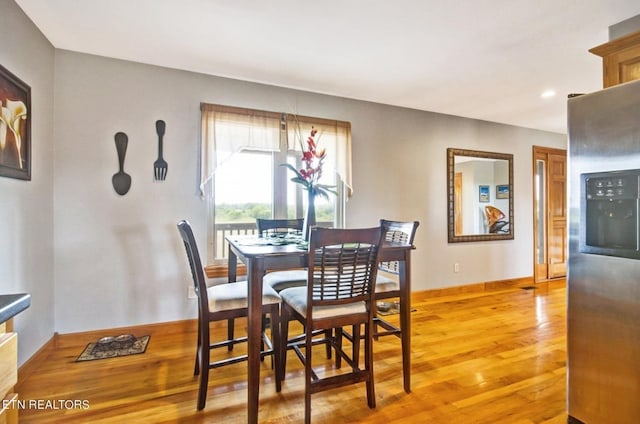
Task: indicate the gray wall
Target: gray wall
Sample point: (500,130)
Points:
(26,207)
(116,260)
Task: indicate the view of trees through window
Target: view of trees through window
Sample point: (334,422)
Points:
(248,212)
(245,190)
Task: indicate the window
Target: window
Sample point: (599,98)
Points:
(242,150)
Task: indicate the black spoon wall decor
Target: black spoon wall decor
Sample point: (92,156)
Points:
(160,166)
(121,180)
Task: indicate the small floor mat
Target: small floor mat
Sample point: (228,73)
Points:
(93,351)
(387,308)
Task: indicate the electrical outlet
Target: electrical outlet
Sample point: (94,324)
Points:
(456,267)
(191,293)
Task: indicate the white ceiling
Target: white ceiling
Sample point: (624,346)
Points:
(483,59)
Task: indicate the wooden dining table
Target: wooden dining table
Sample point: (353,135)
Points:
(261,255)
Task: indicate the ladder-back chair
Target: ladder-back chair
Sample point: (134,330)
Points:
(341,276)
(220,302)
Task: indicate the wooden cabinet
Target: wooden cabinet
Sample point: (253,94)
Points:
(9,415)
(620,59)
(8,375)
(10,305)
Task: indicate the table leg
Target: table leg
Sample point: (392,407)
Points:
(232,270)
(255,270)
(405,319)
(232,266)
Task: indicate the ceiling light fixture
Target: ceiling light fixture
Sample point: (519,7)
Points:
(548,94)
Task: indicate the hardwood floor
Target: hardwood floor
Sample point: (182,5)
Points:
(491,357)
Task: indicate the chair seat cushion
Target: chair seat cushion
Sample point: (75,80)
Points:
(227,296)
(281,280)
(386,284)
(296,297)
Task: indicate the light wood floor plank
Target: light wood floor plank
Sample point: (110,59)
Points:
(490,357)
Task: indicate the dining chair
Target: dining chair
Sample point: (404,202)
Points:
(283,279)
(341,274)
(280,280)
(274,227)
(277,279)
(220,302)
(387,284)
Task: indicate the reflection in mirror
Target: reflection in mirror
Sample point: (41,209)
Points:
(480,195)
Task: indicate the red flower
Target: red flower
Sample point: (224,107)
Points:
(312,144)
(312,160)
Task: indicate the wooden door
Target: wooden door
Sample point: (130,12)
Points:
(557,232)
(550,213)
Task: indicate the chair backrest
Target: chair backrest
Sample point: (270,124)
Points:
(269,227)
(197,271)
(398,231)
(342,265)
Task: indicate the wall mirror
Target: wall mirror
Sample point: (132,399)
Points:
(480,195)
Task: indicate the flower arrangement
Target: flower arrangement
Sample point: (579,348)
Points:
(312,160)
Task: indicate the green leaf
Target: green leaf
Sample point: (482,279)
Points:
(301,181)
(322,193)
(291,167)
(318,189)
(328,188)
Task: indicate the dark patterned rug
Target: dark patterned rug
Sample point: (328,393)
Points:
(387,308)
(112,347)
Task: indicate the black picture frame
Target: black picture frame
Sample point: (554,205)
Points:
(15,126)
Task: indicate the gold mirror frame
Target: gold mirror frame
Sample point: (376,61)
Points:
(457,238)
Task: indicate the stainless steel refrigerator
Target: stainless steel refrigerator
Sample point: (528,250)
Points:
(603,287)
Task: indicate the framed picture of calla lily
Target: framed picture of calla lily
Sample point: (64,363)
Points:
(15,126)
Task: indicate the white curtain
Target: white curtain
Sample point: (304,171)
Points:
(228,130)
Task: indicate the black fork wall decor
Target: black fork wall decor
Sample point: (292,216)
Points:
(160,166)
